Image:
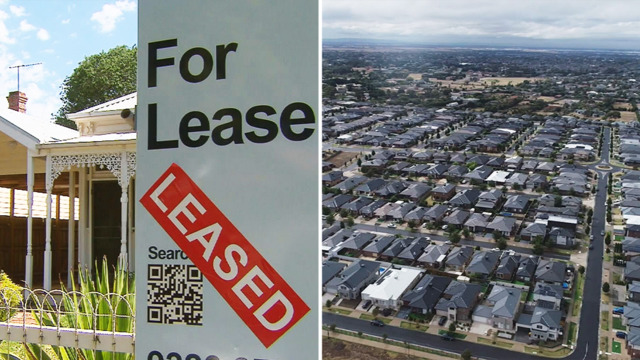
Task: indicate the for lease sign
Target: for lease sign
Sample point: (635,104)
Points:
(243,277)
(227,179)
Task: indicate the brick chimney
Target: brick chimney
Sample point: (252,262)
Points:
(17,101)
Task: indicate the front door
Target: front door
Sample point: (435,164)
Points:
(106,221)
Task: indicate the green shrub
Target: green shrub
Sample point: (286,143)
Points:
(10,297)
(111,301)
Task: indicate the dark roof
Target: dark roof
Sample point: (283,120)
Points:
(466,197)
(337,201)
(517,178)
(350,183)
(462,296)
(527,266)
(560,231)
(415,249)
(329,231)
(370,208)
(332,176)
(331,269)
(437,169)
(356,273)
(550,318)
(516,202)
(401,211)
(491,195)
(416,214)
(371,185)
(391,188)
(480,173)
(479,159)
(506,301)
(338,237)
(459,256)
(416,190)
(457,170)
(358,240)
(502,223)
(631,244)
(458,157)
(443,189)
(457,217)
(483,262)
(427,292)
(508,264)
(477,219)
(379,244)
(551,271)
(357,204)
(551,290)
(534,229)
(396,247)
(433,252)
(436,211)
(632,270)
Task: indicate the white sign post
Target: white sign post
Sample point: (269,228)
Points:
(227,180)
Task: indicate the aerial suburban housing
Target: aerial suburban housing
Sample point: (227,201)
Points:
(503,187)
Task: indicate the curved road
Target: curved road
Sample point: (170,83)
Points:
(588,337)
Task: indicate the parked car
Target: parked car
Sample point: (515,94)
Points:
(447,338)
(377,322)
(590,246)
(386,312)
(445,227)
(621,334)
(618,310)
(443,319)
(366,305)
(391,226)
(602,233)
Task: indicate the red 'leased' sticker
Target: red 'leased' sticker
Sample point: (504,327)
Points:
(249,284)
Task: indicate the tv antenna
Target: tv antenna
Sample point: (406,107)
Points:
(21,66)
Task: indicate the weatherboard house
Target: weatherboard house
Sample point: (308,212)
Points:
(86,175)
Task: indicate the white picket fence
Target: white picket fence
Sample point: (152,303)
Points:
(62,325)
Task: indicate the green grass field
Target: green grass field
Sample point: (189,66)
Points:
(604,320)
(502,344)
(577,295)
(573,328)
(617,323)
(455,335)
(558,353)
(338,311)
(616,347)
(604,344)
(413,326)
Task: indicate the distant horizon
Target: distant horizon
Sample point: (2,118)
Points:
(471,45)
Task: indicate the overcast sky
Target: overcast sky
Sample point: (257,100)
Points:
(541,23)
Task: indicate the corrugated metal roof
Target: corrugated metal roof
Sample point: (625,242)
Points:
(40,130)
(124,102)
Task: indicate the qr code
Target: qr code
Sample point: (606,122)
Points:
(174,294)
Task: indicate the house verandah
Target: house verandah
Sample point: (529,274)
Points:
(94,166)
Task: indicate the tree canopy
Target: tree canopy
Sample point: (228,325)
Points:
(98,79)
